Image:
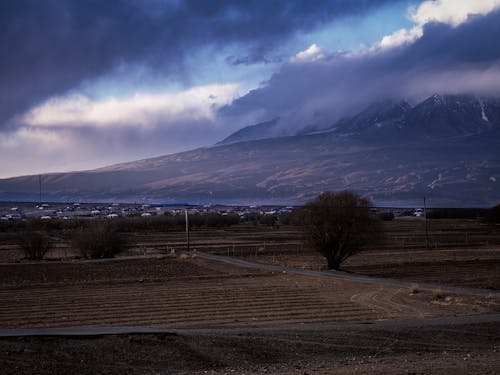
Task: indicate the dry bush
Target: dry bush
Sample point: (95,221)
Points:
(493,215)
(184,257)
(437,294)
(386,216)
(35,244)
(100,240)
(167,256)
(414,289)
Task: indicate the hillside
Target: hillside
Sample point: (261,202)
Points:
(445,148)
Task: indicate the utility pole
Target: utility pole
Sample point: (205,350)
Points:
(426,226)
(40,188)
(187,229)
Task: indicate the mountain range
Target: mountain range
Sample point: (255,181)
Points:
(445,148)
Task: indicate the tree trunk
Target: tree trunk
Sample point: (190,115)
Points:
(333,262)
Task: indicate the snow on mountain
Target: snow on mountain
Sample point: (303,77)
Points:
(380,153)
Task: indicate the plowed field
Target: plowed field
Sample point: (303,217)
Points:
(172,293)
(234,303)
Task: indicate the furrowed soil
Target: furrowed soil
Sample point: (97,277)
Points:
(172,293)
(243,309)
(456,349)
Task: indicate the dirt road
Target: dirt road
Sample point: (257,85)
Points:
(338,275)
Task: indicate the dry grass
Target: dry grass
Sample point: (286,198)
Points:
(167,256)
(184,257)
(414,289)
(34,244)
(437,294)
(99,240)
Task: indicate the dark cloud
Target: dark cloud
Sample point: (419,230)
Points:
(51,46)
(464,59)
(257,55)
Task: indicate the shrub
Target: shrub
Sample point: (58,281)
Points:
(437,294)
(493,215)
(268,219)
(99,240)
(35,244)
(414,289)
(386,216)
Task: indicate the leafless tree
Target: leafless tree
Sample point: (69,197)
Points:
(339,224)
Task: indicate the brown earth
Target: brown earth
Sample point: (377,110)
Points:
(172,293)
(456,349)
(160,291)
(237,297)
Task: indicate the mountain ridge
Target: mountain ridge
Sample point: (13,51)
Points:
(400,114)
(458,163)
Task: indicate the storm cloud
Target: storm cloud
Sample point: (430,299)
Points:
(49,47)
(90,83)
(445,59)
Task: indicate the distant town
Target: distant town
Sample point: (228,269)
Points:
(66,211)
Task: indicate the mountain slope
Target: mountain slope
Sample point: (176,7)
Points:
(436,117)
(250,133)
(458,164)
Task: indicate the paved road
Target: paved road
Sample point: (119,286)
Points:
(338,275)
(80,331)
(383,325)
(392,324)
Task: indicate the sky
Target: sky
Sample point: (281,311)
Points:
(89,83)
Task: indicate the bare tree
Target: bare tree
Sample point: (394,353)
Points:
(339,224)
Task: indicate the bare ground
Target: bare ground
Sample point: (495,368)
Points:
(173,293)
(196,294)
(447,349)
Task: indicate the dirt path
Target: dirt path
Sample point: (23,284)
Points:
(338,275)
(395,324)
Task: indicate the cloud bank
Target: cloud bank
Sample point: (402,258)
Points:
(461,55)
(53,52)
(49,47)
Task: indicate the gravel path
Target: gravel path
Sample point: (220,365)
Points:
(322,327)
(338,275)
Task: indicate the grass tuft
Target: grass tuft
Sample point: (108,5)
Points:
(414,289)
(437,294)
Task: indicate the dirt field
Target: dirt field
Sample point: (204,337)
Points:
(446,349)
(193,294)
(455,251)
(171,293)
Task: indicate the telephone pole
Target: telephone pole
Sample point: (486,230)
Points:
(187,229)
(426,226)
(40,187)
